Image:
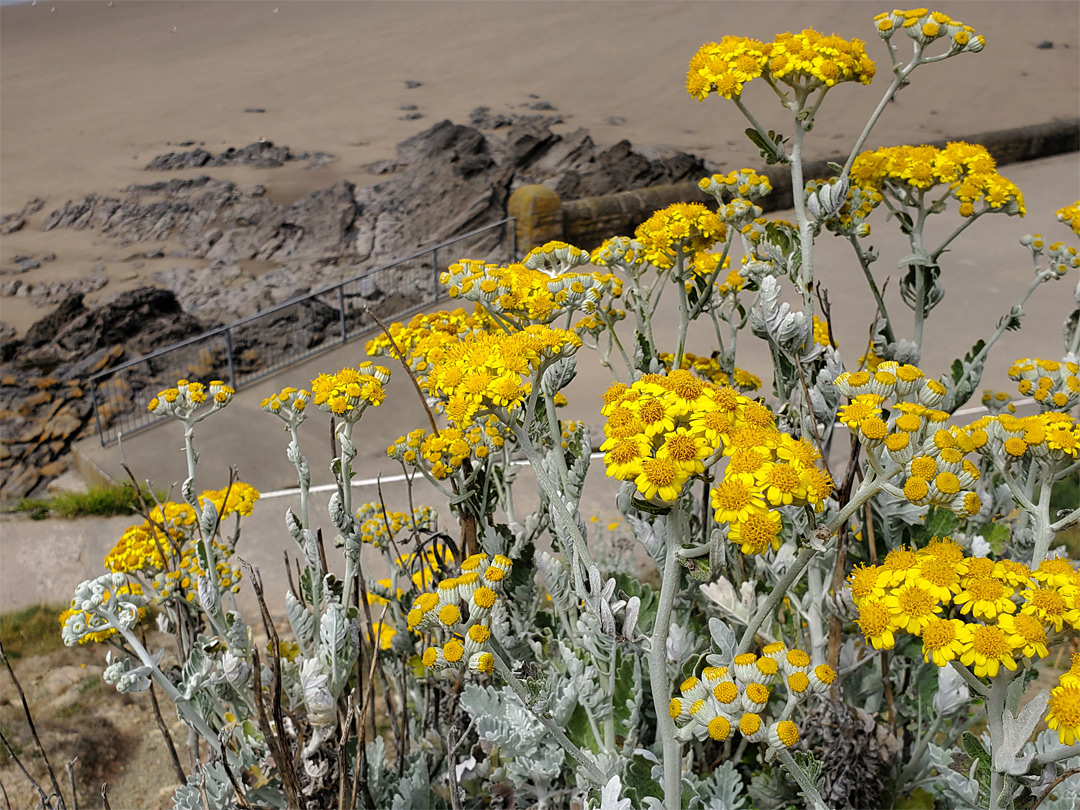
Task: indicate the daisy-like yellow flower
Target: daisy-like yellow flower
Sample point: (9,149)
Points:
(736,498)
(940,575)
(1049,607)
(864,582)
(943,640)
(983,597)
(1063,714)
(877,623)
(899,565)
(758,533)
(912,606)
(986,649)
(660,479)
(1026,634)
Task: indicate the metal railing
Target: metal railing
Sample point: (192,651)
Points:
(251,348)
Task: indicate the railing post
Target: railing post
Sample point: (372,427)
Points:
(341,306)
(229,357)
(435,273)
(97,415)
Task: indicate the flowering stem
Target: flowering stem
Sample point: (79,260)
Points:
(583,759)
(806,237)
(1044,531)
(870,486)
(809,792)
(969,678)
(191,716)
(889,336)
(658,675)
(684,313)
(899,77)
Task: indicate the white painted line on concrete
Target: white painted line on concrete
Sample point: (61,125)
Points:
(393,479)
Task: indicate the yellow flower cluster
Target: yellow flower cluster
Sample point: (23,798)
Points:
(240,499)
(459,612)
(182,582)
(681,229)
(805,60)
(139,549)
(926,26)
(350,391)
(725,699)
(1070,215)
(914,434)
(968,170)
(1063,258)
(538,290)
(287,403)
(186,398)
(661,430)
(488,371)
(983,612)
(821,331)
(380,527)
(1063,710)
(708,368)
(448,449)
(420,568)
(742,184)
(1054,385)
(90,619)
(1050,436)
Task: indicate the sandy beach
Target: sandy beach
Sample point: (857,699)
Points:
(92,91)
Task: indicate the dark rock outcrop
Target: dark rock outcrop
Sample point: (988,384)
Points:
(258,155)
(44,402)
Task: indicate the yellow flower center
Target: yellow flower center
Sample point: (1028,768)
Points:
(990,642)
(681,447)
(1065,705)
(914,601)
(783,477)
(726,692)
(874,618)
(1048,600)
(659,471)
(757,693)
(900,559)
(788,732)
(938,634)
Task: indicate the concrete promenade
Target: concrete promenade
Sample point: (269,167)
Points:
(984,273)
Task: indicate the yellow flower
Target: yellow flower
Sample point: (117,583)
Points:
(912,607)
(1063,714)
(759,532)
(983,597)
(986,648)
(1026,634)
(943,640)
(877,623)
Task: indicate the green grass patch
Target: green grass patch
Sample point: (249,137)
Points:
(33,631)
(100,501)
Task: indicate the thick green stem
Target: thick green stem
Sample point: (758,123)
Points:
(658,675)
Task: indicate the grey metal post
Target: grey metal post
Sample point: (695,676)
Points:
(435,273)
(341,306)
(97,416)
(228,354)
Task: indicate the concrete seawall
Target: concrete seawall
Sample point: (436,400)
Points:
(542,216)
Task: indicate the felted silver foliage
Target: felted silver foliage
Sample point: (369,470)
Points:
(775,321)
(1016,731)
(558,375)
(125,677)
(827,200)
(301,621)
(961,791)
(722,789)
(210,781)
(320,703)
(208,519)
